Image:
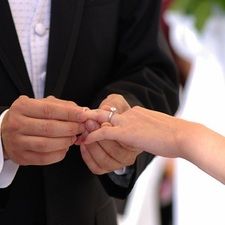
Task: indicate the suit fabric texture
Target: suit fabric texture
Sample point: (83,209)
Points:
(96,47)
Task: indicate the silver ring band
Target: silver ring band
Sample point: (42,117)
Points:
(113,110)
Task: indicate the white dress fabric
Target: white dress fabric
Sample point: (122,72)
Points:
(200,199)
(143,204)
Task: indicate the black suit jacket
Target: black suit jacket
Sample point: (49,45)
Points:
(96,47)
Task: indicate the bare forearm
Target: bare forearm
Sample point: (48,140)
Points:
(204,148)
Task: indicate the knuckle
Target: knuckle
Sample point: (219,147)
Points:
(68,115)
(11,124)
(50,97)
(22,159)
(120,96)
(62,154)
(71,103)
(131,160)
(50,158)
(60,157)
(43,160)
(136,108)
(72,140)
(105,163)
(22,163)
(41,145)
(19,103)
(47,111)
(95,169)
(46,128)
(115,95)
(104,130)
(67,143)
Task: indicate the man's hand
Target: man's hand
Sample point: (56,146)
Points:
(107,155)
(117,101)
(40,132)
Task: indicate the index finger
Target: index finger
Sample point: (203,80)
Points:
(99,115)
(41,109)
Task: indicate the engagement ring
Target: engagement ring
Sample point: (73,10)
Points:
(113,110)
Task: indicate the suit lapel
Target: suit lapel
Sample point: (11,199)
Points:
(10,52)
(65,23)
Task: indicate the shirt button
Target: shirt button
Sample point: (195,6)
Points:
(40,29)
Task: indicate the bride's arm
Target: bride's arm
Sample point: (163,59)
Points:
(164,135)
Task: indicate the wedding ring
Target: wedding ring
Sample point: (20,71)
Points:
(85,109)
(113,110)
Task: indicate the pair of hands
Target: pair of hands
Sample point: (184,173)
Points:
(141,128)
(40,132)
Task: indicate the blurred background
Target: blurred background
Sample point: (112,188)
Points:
(174,191)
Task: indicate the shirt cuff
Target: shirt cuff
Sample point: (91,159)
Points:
(121,171)
(8,168)
(124,177)
(8,173)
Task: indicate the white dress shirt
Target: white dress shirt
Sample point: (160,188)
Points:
(32,21)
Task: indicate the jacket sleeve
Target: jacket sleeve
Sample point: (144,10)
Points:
(143,73)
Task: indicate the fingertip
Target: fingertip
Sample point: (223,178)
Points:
(82,147)
(85,141)
(92,125)
(81,117)
(84,152)
(106,124)
(84,109)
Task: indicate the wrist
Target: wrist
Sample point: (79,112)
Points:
(187,141)
(183,138)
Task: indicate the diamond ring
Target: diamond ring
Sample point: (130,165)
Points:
(113,110)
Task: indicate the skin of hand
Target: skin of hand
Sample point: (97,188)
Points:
(40,131)
(105,156)
(138,128)
(163,135)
